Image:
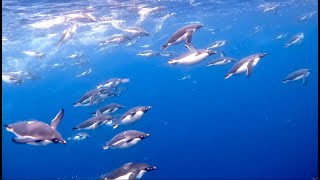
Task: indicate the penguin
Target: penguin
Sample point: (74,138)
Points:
(245,65)
(89,98)
(221,61)
(148,53)
(67,34)
(295,39)
(131,116)
(94,122)
(297,75)
(218,44)
(113,82)
(192,57)
(11,78)
(126,139)
(35,54)
(35,132)
(183,34)
(136,32)
(129,171)
(79,136)
(115,39)
(110,108)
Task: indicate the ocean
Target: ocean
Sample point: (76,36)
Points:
(201,125)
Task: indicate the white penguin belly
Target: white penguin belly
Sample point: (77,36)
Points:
(131,143)
(220,63)
(181,39)
(131,119)
(298,78)
(140,174)
(193,59)
(242,68)
(42,143)
(124,177)
(255,62)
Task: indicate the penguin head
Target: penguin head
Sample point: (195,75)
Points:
(59,139)
(211,52)
(143,136)
(198,26)
(150,168)
(146,108)
(262,55)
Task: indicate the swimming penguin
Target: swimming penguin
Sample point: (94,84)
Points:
(193,57)
(297,75)
(89,98)
(245,65)
(218,44)
(295,39)
(129,171)
(36,132)
(148,53)
(110,108)
(115,39)
(136,32)
(67,34)
(126,139)
(113,82)
(183,34)
(221,61)
(131,116)
(79,136)
(306,16)
(11,78)
(94,122)
(35,54)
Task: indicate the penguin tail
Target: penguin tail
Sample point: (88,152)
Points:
(75,128)
(164,47)
(105,147)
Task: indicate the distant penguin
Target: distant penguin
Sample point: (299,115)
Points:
(36,132)
(79,136)
(89,98)
(94,122)
(245,65)
(136,32)
(295,39)
(193,57)
(129,171)
(12,78)
(131,116)
(67,34)
(183,34)
(115,39)
(113,82)
(126,139)
(297,75)
(110,108)
(221,61)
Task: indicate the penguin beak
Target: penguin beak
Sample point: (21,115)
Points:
(262,55)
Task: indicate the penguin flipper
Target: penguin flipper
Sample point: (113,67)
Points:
(304,80)
(133,175)
(189,37)
(56,120)
(249,69)
(191,47)
(25,140)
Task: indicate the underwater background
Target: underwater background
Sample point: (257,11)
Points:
(201,125)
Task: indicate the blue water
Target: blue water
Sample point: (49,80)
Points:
(202,127)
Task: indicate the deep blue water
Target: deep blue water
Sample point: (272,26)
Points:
(202,127)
